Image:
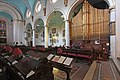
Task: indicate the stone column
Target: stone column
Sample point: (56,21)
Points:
(67,33)
(117,40)
(33,38)
(46,36)
(26,38)
(15,31)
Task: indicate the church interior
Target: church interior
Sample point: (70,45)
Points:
(59,40)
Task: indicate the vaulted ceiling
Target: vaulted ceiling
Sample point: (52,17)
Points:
(23,5)
(6,15)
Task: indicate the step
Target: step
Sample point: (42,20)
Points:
(89,75)
(117,64)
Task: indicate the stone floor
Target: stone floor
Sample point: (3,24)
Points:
(105,70)
(79,69)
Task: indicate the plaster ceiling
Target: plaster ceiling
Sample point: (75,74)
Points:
(23,5)
(4,14)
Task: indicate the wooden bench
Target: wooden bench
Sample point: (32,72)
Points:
(76,53)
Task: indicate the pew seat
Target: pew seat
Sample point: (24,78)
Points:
(78,53)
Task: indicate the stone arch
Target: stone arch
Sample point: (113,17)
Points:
(75,4)
(37,21)
(39,31)
(28,26)
(28,36)
(10,10)
(57,9)
(56,25)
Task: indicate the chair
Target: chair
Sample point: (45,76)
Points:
(17,51)
(59,51)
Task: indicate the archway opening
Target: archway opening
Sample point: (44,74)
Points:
(29,33)
(56,27)
(39,27)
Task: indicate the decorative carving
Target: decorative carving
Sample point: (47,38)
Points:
(44,9)
(65,3)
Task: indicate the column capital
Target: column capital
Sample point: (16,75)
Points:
(67,20)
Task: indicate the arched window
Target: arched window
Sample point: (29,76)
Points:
(28,13)
(53,1)
(38,7)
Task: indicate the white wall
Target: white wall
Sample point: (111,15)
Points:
(21,28)
(39,40)
(112,46)
(112,37)
(10,33)
(112,15)
(117,28)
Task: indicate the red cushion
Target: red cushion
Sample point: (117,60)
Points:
(64,53)
(17,51)
(9,49)
(84,56)
(42,49)
(72,54)
(4,47)
(33,48)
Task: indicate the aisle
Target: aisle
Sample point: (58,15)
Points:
(106,70)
